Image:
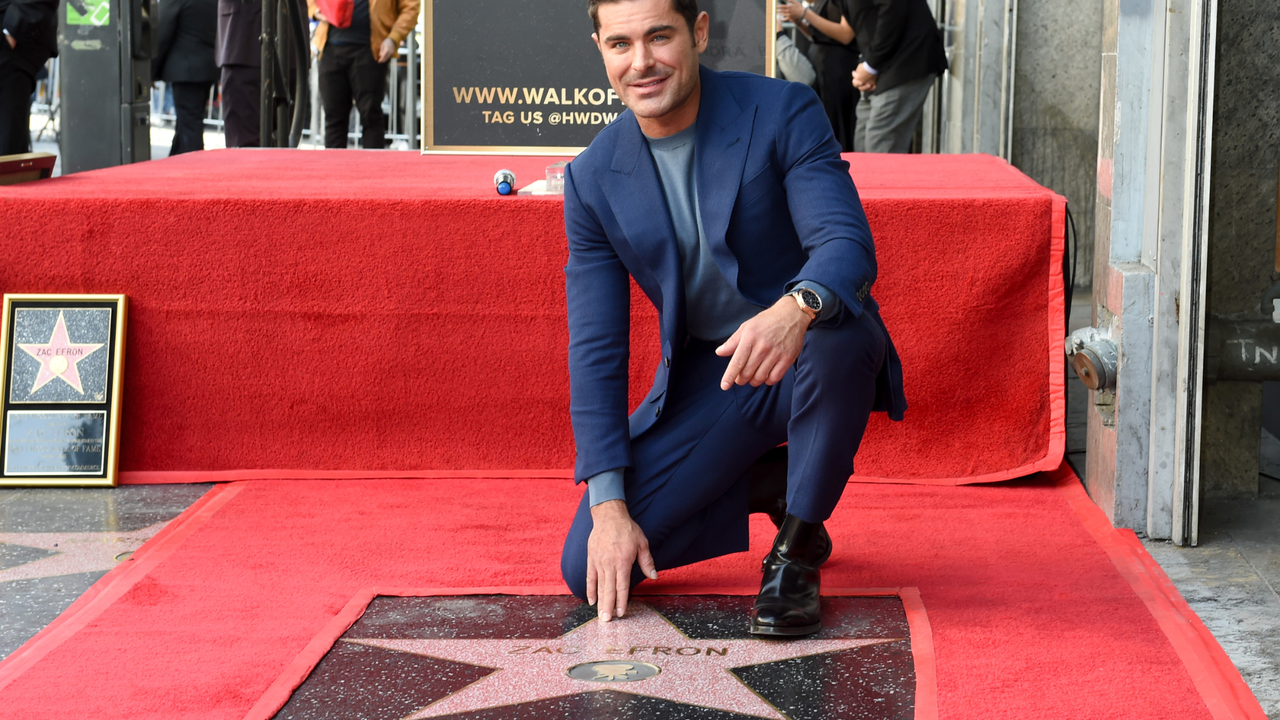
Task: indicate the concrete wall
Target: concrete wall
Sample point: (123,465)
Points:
(1123,278)
(1055,107)
(1242,231)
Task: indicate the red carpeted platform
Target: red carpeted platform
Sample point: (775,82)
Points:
(1037,608)
(347,314)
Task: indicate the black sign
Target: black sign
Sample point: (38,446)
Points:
(514,76)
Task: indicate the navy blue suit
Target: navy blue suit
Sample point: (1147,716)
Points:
(777,206)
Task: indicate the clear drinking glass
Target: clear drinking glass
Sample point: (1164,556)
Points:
(555,177)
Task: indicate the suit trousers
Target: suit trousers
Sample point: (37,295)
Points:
(188,105)
(241,98)
(16,87)
(689,491)
(887,119)
(349,73)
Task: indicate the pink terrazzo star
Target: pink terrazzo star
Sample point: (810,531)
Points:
(692,672)
(77,552)
(59,358)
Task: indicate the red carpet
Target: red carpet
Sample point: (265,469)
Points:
(1037,608)
(362,313)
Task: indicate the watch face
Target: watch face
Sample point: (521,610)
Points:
(811,299)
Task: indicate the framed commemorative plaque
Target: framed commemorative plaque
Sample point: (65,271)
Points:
(526,78)
(61,362)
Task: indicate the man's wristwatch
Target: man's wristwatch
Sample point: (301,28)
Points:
(809,301)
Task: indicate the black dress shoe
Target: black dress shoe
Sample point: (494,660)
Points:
(768,479)
(788,604)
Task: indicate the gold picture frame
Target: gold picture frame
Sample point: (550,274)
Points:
(62,365)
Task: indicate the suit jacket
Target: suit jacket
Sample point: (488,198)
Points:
(777,205)
(239,29)
(898,38)
(393,19)
(34,24)
(188,32)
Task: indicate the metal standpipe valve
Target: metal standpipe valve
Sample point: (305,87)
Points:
(1094,357)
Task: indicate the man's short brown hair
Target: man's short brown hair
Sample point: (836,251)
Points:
(688,9)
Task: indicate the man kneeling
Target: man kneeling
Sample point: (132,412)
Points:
(723,195)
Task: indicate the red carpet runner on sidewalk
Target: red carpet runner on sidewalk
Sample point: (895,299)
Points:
(1038,609)
(367,314)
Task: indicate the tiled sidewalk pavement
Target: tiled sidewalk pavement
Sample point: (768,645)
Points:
(55,543)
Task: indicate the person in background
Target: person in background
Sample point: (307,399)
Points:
(902,54)
(29,38)
(792,64)
(239,54)
(188,32)
(353,66)
(834,56)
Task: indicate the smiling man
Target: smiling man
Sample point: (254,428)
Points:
(724,196)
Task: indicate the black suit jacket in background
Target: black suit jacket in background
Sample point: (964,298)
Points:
(188,32)
(34,24)
(239,25)
(898,38)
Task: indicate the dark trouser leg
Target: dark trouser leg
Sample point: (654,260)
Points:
(188,105)
(241,98)
(335,92)
(834,392)
(862,111)
(835,389)
(369,84)
(689,491)
(15,110)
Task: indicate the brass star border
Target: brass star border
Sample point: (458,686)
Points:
(472,697)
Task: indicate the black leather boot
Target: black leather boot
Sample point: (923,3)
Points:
(768,479)
(788,602)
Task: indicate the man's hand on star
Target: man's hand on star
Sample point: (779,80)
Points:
(616,544)
(765,346)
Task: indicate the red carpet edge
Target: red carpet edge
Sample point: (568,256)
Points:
(115,583)
(278,694)
(166,477)
(1216,678)
(1048,463)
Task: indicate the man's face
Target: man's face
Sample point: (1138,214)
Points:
(651,58)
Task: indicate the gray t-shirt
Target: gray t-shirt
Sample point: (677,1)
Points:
(714,308)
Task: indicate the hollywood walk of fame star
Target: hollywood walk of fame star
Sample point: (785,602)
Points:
(691,672)
(76,552)
(59,358)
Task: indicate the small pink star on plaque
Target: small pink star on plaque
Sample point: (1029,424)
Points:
(59,358)
(641,654)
